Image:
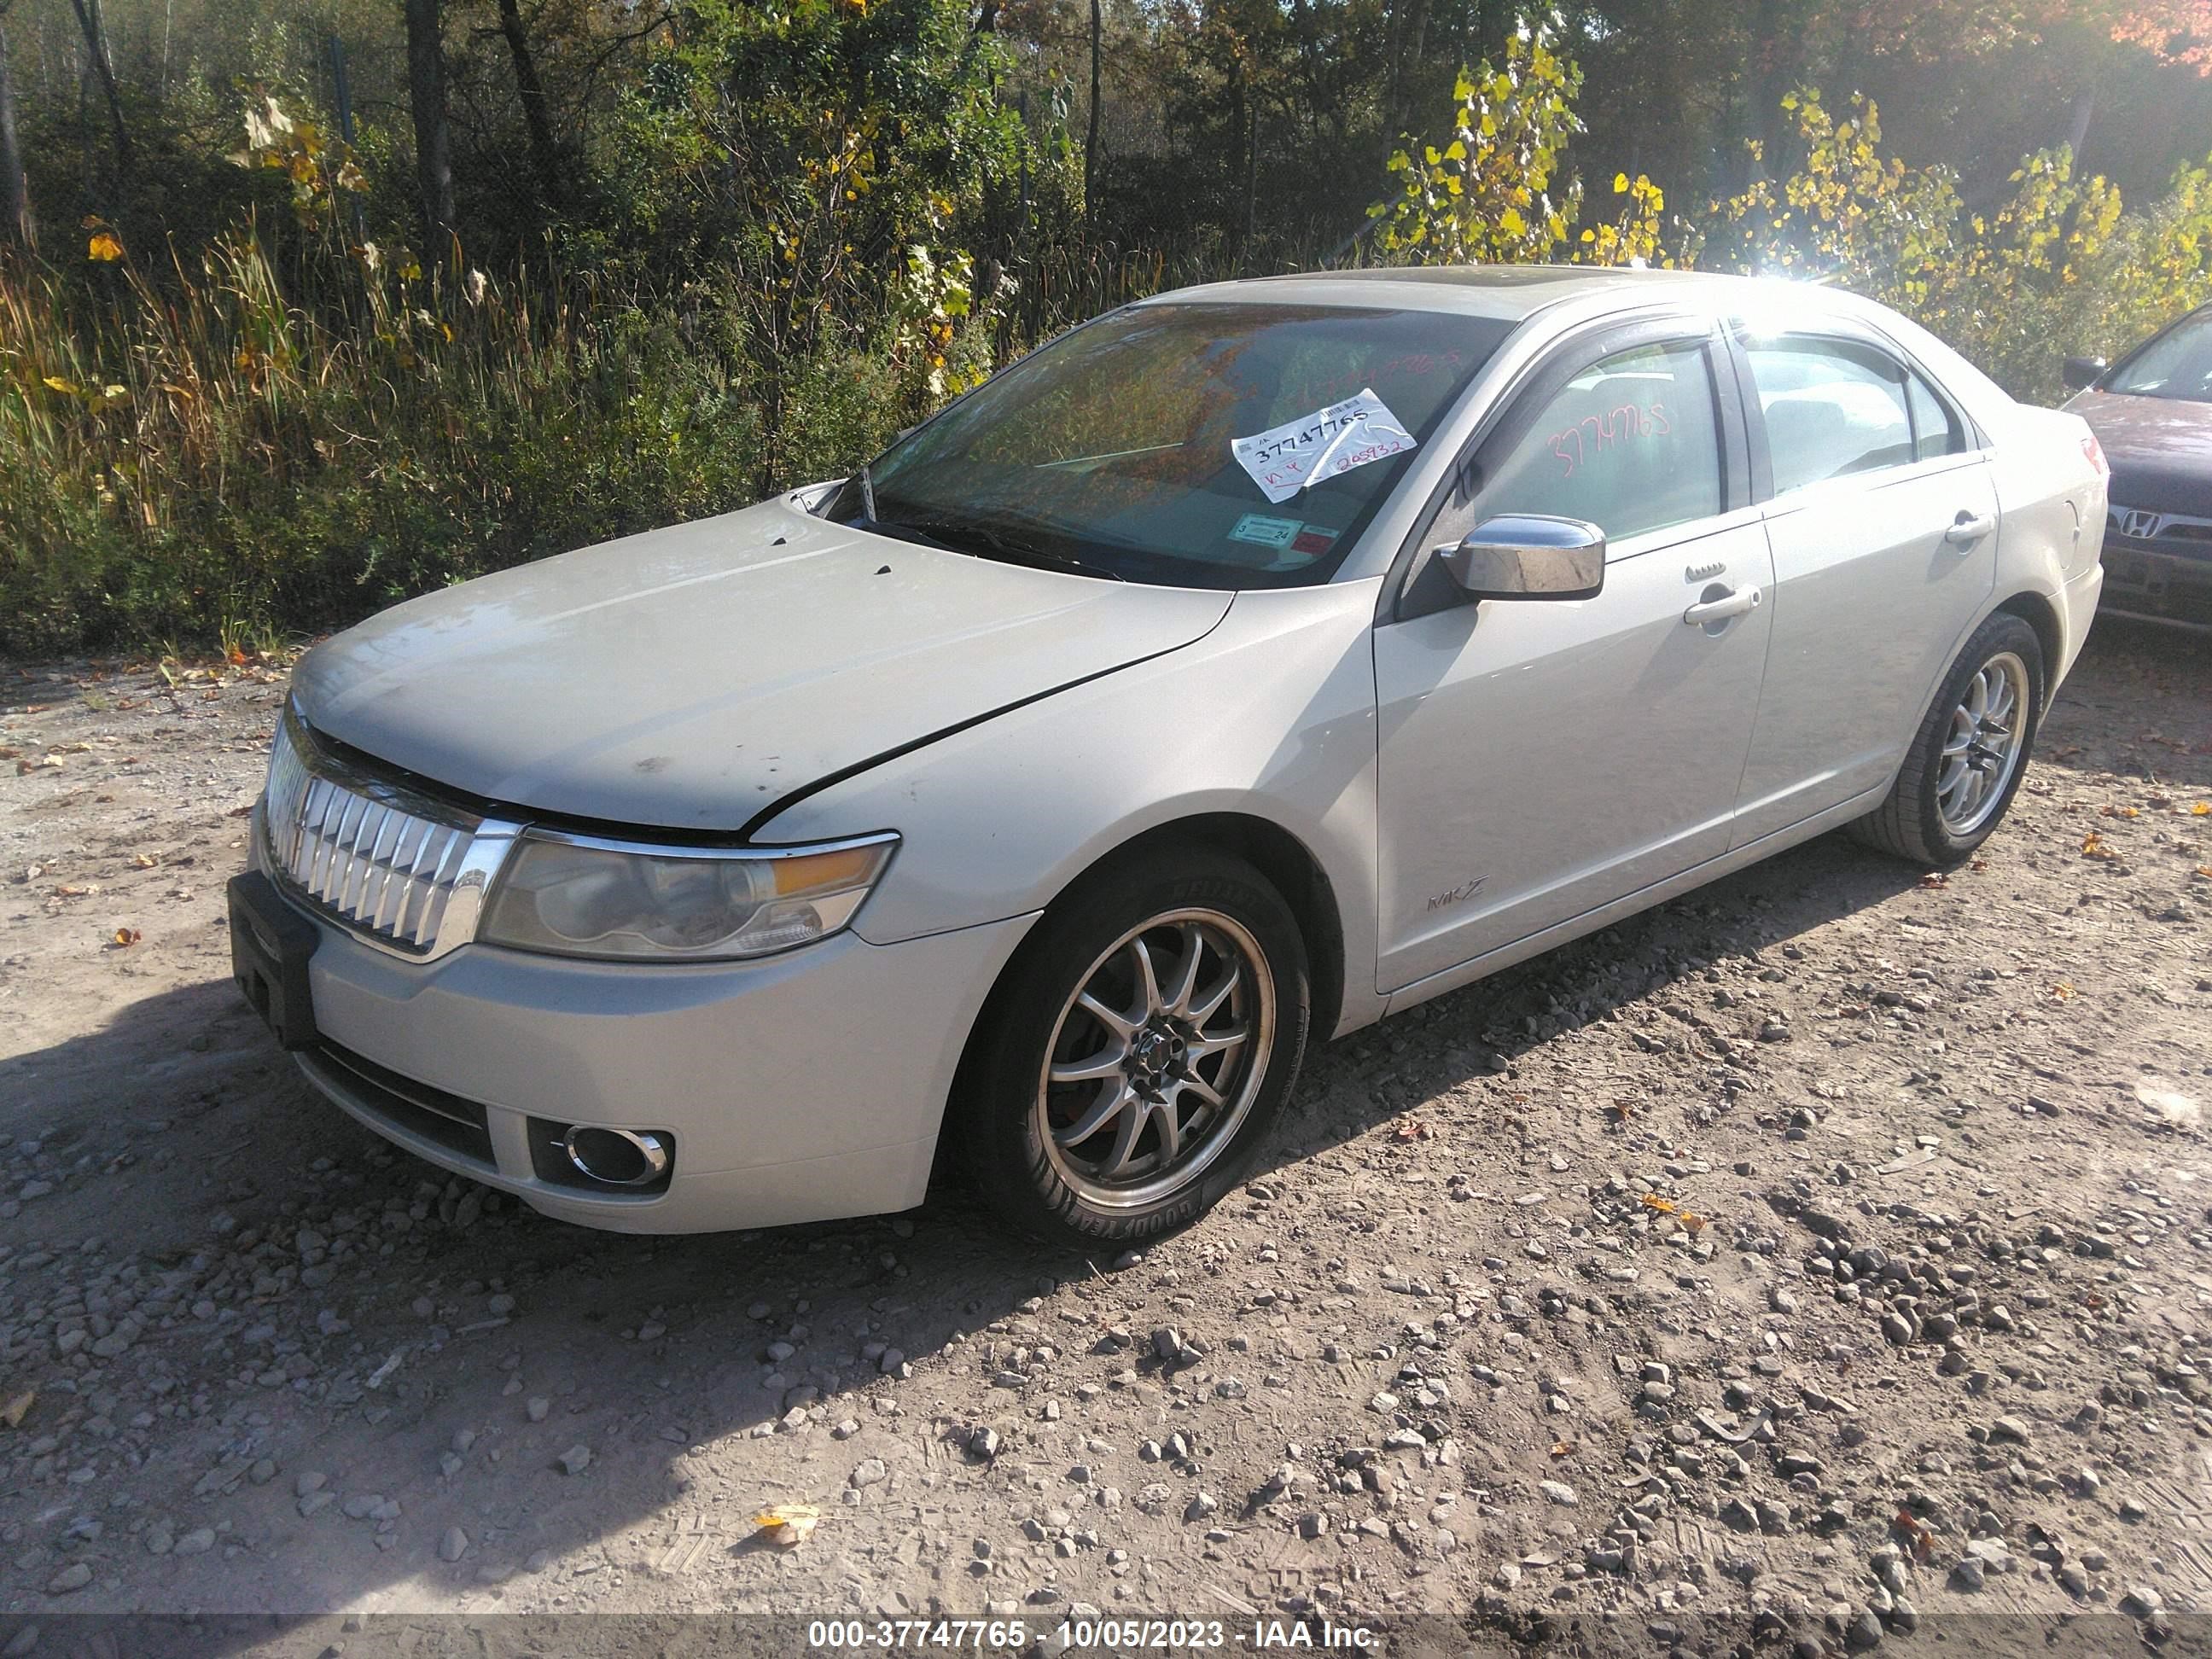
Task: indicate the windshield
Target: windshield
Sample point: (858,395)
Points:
(2176,364)
(1190,445)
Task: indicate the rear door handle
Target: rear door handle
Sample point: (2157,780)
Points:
(1732,604)
(1970,527)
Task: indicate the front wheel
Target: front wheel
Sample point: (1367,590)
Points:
(1971,752)
(1137,1049)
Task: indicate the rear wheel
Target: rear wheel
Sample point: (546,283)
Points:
(1137,1049)
(1971,752)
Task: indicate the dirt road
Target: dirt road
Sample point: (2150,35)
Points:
(1832,1245)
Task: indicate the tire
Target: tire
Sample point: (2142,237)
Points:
(1010,1117)
(1938,811)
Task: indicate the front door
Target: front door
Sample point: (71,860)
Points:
(1540,758)
(1883,522)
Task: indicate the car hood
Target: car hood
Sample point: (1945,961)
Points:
(690,678)
(2160,448)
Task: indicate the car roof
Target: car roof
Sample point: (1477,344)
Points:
(1509,293)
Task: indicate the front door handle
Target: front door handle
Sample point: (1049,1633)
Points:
(1970,527)
(1733,603)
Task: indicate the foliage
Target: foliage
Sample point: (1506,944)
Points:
(1484,196)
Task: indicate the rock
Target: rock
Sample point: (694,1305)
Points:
(159,1541)
(2141,1601)
(1312,1524)
(2009,1428)
(983,1443)
(1200,1507)
(1967,1574)
(1560,1492)
(74,1577)
(870,1471)
(453,1544)
(576,1459)
(537,1406)
(199,1541)
(23,1642)
(1781,1301)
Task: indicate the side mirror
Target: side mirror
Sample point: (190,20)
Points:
(1521,555)
(2080,373)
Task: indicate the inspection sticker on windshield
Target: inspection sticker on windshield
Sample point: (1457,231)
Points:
(1266,531)
(1286,458)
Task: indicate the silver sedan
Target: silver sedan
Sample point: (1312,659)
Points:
(1244,666)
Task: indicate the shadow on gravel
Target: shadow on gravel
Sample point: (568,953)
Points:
(650,1350)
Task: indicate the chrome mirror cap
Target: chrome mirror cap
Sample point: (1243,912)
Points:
(1526,555)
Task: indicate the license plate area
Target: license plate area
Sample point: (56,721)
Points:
(270,944)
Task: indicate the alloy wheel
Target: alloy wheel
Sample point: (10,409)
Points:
(1156,1058)
(1982,749)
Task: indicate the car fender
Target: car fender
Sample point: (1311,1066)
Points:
(1271,715)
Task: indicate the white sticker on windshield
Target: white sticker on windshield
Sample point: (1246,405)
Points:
(1314,448)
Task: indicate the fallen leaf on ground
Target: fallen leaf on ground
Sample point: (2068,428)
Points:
(2094,848)
(128,936)
(2062,991)
(1935,878)
(788,1525)
(17,1408)
(1562,1447)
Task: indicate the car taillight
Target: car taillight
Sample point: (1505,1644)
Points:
(2095,452)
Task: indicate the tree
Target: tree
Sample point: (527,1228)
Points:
(95,44)
(15,220)
(426,99)
(530,90)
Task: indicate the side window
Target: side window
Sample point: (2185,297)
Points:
(1833,408)
(1935,430)
(1631,444)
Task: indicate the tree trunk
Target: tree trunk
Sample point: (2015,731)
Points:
(1098,97)
(545,154)
(95,40)
(425,98)
(15,189)
(2077,128)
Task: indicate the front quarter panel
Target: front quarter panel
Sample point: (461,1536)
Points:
(1271,715)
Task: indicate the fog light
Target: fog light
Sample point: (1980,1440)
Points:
(616,1157)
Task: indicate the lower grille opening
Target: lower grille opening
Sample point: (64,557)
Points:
(459,1126)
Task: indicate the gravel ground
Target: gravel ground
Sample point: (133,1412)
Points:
(1830,1247)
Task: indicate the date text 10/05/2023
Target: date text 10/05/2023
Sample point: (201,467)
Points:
(997,1636)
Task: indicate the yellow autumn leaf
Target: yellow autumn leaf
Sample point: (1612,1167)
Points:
(103,247)
(2063,991)
(67,388)
(2202,809)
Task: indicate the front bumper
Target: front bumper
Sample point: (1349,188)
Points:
(2151,584)
(797,1088)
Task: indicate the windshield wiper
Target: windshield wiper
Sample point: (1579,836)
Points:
(951,532)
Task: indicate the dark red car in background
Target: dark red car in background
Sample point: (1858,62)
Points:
(2152,413)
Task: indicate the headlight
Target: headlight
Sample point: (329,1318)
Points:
(576,896)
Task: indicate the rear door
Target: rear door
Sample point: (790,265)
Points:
(1881,515)
(1540,758)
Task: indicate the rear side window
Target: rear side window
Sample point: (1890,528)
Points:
(1833,408)
(1935,429)
(1631,444)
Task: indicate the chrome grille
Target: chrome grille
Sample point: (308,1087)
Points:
(394,865)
